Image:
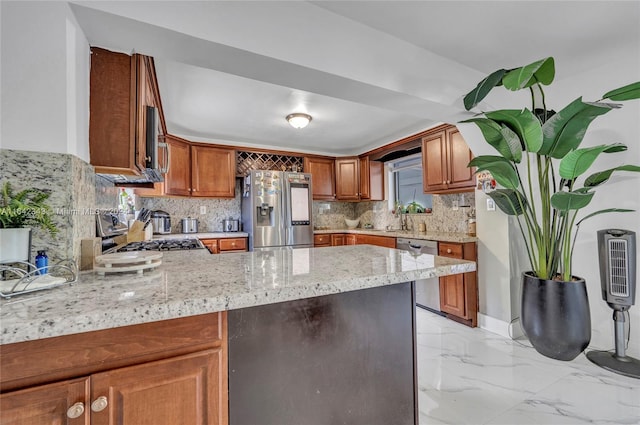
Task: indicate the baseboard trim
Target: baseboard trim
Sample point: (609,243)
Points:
(500,327)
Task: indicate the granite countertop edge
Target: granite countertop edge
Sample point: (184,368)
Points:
(183,286)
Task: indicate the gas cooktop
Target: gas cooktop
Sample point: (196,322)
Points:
(163,245)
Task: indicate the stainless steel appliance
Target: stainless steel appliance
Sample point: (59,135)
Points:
(108,225)
(230,225)
(427,290)
(189,225)
(161,221)
(276,209)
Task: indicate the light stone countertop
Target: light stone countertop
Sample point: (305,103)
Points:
(195,282)
(410,234)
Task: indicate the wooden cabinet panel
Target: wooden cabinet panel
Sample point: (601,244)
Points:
(371,179)
(46,404)
(178,178)
(113,113)
(233,244)
(348,179)
(323,177)
(434,165)
(459,155)
(211,245)
(322,240)
(452,295)
(385,241)
(459,293)
(338,239)
(445,156)
(351,240)
(213,172)
(188,389)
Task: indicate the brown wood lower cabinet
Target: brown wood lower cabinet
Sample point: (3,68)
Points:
(162,373)
(459,292)
(322,240)
(225,245)
(337,239)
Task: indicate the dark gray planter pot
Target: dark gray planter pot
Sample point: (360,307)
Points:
(555,316)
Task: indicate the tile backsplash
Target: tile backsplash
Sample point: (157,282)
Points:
(211,221)
(444,217)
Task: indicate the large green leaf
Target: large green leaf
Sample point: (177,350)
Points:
(542,71)
(564,131)
(577,162)
(565,201)
(600,177)
(523,123)
(483,88)
(628,92)
(608,210)
(507,201)
(501,138)
(501,169)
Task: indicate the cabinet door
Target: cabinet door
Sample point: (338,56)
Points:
(385,241)
(190,389)
(348,179)
(213,172)
(459,155)
(177,181)
(323,178)
(434,163)
(321,240)
(113,112)
(452,295)
(351,240)
(46,404)
(371,179)
(211,245)
(338,239)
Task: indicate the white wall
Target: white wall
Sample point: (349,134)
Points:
(45,79)
(498,250)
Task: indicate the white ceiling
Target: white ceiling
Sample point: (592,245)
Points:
(369,72)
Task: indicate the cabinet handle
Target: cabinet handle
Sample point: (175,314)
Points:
(448,250)
(99,404)
(76,410)
(165,146)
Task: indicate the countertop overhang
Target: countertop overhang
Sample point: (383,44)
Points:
(190,283)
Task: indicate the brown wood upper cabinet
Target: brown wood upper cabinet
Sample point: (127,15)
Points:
(121,86)
(323,177)
(348,179)
(197,170)
(445,156)
(371,179)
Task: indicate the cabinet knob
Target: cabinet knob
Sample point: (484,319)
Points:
(448,250)
(99,404)
(76,410)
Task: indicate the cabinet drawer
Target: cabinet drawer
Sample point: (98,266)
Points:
(211,245)
(233,244)
(322,240)
(446,249)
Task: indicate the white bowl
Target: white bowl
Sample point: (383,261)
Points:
(352,224)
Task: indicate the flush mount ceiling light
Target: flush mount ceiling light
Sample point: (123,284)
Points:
(298,120)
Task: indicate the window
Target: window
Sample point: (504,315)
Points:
(405,182)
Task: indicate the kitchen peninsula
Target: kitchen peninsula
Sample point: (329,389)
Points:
(311,335)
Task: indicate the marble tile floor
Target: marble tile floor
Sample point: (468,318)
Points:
(471,376)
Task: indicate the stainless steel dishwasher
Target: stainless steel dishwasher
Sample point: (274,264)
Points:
(427,290)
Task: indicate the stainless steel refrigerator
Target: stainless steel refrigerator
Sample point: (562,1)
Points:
(276,209)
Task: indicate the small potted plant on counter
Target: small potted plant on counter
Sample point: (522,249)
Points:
(541,168)
(19,211)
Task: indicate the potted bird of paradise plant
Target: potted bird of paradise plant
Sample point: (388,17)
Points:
(541,168)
